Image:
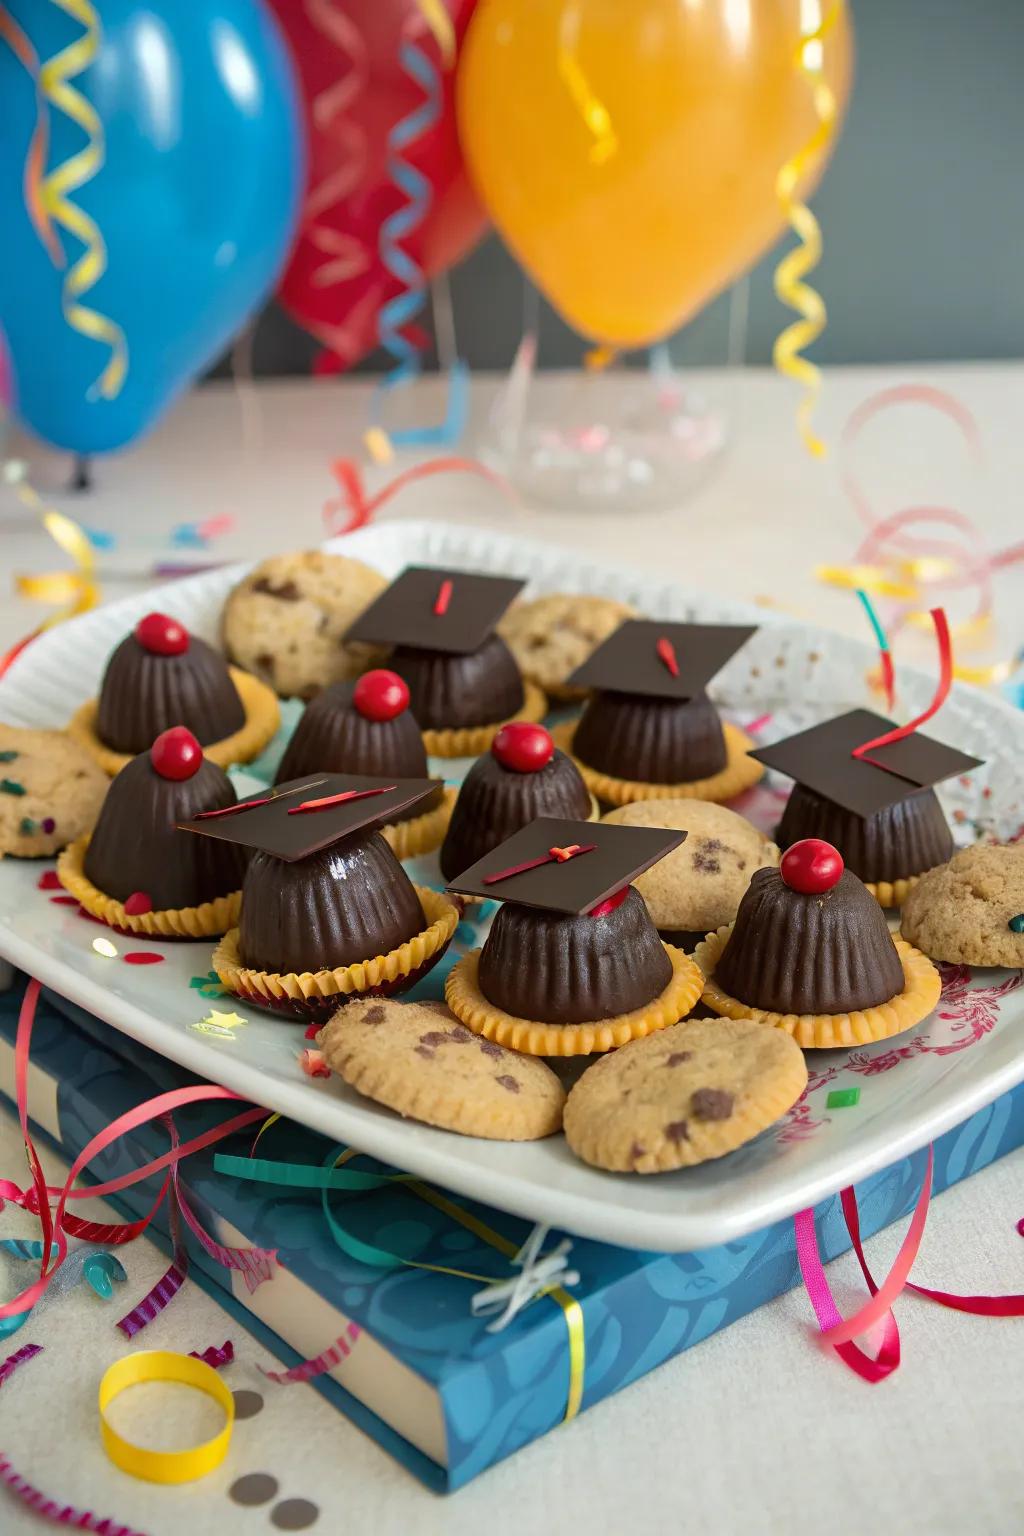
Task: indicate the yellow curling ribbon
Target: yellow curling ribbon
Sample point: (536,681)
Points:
(795,265)
(571,1308)
(54,77)
(165,1466)
(436,16)
(868,578)
(77,589)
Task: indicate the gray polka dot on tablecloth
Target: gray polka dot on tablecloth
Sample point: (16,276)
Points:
(247,1404)
(294,1515)
(253,1488)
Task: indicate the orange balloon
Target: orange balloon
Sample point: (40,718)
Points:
(628,150)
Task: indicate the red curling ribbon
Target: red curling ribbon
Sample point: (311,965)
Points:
(325,1361)
(553,856)
(10,656)
(938,617)
(667,654)
(444,597)
(355,509)
(340,799)
(57,1224)
(216,1356)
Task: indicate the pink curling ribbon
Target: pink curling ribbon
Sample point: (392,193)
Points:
(840,1333)
(41,1503)
(895,562)
(56,1225)
(217,1355)
(354,508)
(326,1361)
(345,257)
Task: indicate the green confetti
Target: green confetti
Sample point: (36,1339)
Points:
(27,827)
(1016,923)
(843,1098)
(208,985)
(12,787)
(8,757)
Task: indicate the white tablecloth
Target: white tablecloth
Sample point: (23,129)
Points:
(755,1430)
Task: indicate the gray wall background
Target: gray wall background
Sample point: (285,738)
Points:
(922,211)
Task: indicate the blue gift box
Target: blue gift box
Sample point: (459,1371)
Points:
(425,1378)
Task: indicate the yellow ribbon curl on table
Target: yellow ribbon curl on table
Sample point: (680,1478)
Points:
(165,1466)
(796,264)
(78,590)
(55,75)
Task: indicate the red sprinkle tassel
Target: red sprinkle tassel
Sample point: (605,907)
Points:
(667,654)
(346,794)
(553,856)
(444,597)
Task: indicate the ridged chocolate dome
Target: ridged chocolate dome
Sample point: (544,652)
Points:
(901,840)
(450,691)
(824,953)
(136,845)
(144,693)
(495,801)
(651,741)
(350,902)
(333,737)
(573,970)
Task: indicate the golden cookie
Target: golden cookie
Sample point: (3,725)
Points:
(286,619)
(51,791)
(963,911)
(688,1094)
(699,885)
(554,635)
(419,1060)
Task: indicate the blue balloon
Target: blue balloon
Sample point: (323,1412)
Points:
(196,201)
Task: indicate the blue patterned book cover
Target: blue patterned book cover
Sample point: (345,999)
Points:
(424,1376)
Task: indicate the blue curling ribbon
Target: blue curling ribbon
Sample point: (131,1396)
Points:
(400,311)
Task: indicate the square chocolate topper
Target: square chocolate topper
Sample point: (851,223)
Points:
(437,610)
(614,857)
(821,759)
(271,821)
(659,660)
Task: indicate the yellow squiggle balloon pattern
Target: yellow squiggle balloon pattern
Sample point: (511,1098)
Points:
(796,264)
(55,75)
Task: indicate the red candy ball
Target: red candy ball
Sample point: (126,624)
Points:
(380,695)
(176,754)
(161,635)
(523,747)
(811,866)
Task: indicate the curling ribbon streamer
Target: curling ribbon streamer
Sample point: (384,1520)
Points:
(56,1225)
(396,315)
(354,509)
(942,687)
(55,75)
(40,1502)
(216,1355)
(168,1467)
(839,1333)
(796,264)
(77,589)
(888,671)
(35,158)
(335,1175)
(892,561)
(345,257)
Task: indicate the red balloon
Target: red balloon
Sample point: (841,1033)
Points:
(355,91)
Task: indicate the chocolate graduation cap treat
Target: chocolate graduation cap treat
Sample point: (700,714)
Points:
(463,679)
(650,731)
(522,777)
(161,676)
(327,909)
(573,962)
(876,803)
(367,727)
(137,872)
(810,952)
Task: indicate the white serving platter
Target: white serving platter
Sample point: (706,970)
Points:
(911,1089)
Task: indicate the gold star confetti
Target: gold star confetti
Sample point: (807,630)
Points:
(222,1020)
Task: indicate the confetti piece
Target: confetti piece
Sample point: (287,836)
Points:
(26,826)
(216,1356)
(314,1064)
(12,787)
(142,957)
(105,948)
(48,881)
(8,757)
(224,1020)
(843,1098)
(138,903)
(64,901)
